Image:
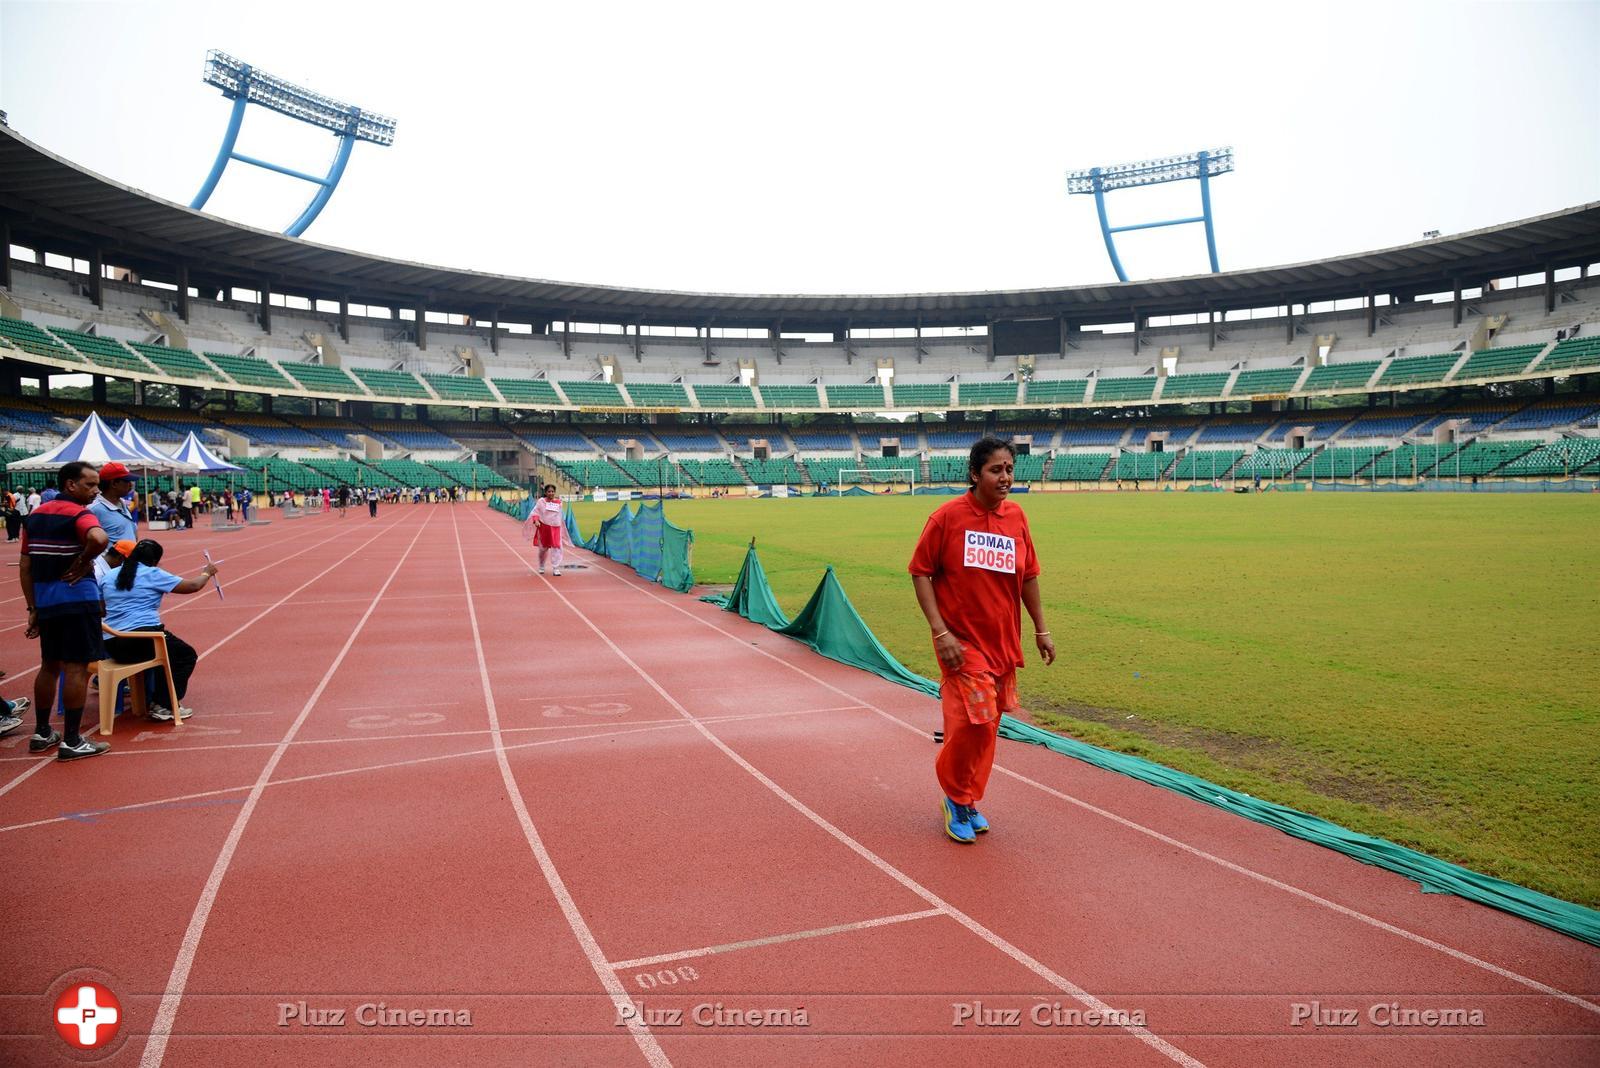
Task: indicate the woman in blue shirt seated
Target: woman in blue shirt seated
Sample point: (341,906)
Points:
(132,595)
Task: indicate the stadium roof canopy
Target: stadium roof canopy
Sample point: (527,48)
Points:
(51,204)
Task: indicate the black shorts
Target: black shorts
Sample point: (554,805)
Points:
(72,638)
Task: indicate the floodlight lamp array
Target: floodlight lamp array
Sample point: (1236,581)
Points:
(237,78)
(1151,171)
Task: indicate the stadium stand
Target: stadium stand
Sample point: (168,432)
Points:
(1206,463)
(1265,381)
(857,397)
(179,363)
(659,394)
(987,393)
(1340,376)
(1146,466)
(250,371)
(322,379)
(593,393)
(527,391)
(724,396)
(106,352)
(460,387)
(1125,389)
(1418,369)
(821,441)
(1272,463)
(1573,353)
(1496,363)
(32,339)
(1341,462)
(921,395)
(1222,432)
(790,397)
(1199,385)
(1080,466)
(1055,391)
(391,383)
(1092,435)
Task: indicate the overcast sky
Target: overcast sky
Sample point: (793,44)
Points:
(837,147)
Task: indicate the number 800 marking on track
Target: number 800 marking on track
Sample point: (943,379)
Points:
(666,977)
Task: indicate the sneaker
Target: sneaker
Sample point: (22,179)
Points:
(163,714)
(9,724)
(541,571)
(975,818)
(955,821)
(21,705)
(85,748)
(556,572)
(40,744)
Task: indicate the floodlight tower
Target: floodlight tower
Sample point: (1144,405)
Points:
(1101,180)
(243,84)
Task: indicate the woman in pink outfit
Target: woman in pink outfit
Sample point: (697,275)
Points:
(548,526)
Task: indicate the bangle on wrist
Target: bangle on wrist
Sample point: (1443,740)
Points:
(941,634)
(1041,634)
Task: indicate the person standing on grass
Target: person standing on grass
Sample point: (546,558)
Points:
(133,595)
(973,567)
(548,526)
(59,544)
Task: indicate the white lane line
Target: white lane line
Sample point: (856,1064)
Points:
(40,762)
(161,1030)
(195,599)
(653,1053)
(264,539)
(393,706)
(1060,982)
(202,656)
(772,940)
(676,723)
(50,758)
(1343,910)
(165,750)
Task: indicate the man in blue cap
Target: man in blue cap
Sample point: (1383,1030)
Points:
(111,506)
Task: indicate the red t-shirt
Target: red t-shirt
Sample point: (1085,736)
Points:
(978,561)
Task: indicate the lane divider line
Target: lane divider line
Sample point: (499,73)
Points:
(1354,914)
(656,725)
(642,1037)
(772,940)
(161,1029)
(1060,982)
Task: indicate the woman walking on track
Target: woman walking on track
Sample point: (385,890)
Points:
(972,568)
(548,527)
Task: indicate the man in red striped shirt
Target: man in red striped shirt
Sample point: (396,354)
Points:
(60,541)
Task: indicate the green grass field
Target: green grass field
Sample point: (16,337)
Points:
(1419,667)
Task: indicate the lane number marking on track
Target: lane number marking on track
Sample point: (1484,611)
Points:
(666,977)
(188,730)
(379,722)
(597,709)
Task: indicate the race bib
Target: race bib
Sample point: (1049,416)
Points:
(992,552)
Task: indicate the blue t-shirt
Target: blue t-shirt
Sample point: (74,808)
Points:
(140,607)
(117,522)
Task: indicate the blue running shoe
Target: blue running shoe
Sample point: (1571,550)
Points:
(976,821)
(955,821)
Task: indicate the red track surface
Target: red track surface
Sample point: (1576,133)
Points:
(421,776)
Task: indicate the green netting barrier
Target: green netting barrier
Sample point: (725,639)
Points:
(645,540)
(830,625)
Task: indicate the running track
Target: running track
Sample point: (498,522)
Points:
(421,776)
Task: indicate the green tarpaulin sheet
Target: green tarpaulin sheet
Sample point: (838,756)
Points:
(831,625)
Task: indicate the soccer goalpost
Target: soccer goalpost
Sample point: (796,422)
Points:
(875,478)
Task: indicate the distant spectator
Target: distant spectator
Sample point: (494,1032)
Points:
(117,484)
(132,596)
(13,513)
(34,501)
